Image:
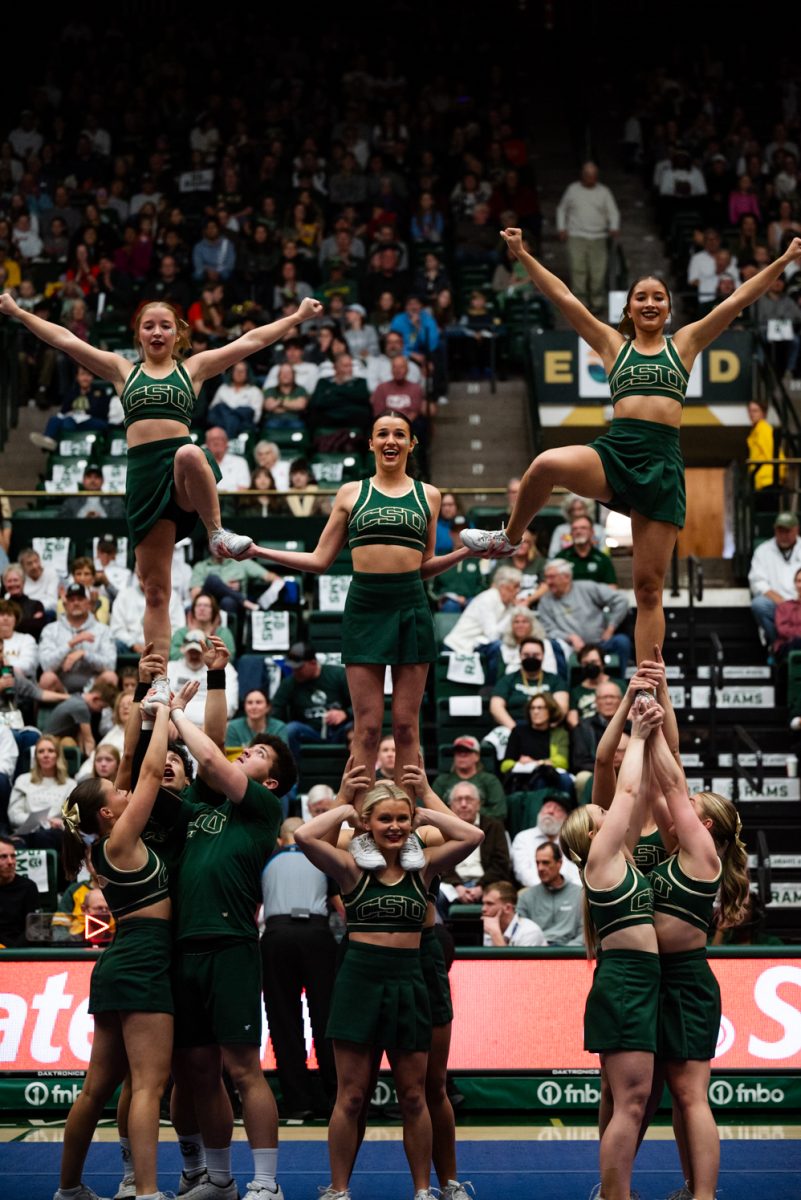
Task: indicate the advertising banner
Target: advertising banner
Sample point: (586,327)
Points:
(523,1015)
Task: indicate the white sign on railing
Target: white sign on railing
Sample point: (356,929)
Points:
(735,697)
(465,668)
(55,551)
(333,592)
(270,630)
(33,865)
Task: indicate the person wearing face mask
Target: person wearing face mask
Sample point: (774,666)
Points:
(593,675)
(512,692)
(588,561)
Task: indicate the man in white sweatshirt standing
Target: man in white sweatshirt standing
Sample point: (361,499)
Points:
(586,216)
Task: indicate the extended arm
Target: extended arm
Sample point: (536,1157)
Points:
(212,362)
(332,539)
(610,839)
(443,562)
(112,367)
(125,835)
(693,338)
(213,767)
(215,714)
(601,337)
(695,841)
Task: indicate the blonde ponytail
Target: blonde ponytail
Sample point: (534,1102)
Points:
(575,842)
(734,881)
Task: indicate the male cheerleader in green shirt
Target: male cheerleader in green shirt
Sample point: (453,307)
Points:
(217,970)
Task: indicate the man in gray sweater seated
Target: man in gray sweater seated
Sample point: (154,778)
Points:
(554,904)
(579,611)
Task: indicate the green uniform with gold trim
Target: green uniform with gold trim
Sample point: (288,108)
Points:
(217,970)
(149,482)
(133,973)
(642,459)
(380,994)
(649,852)
(690,994)
(435,968)
(623,1005)
(387,618)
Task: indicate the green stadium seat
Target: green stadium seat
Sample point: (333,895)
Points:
(443,624)
(73,754)
(330,470)
(325,631)
(450,724)
(81,445)
(321,763)
(293,443)
(794,682)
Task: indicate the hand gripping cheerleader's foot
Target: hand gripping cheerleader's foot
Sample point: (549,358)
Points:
(225,544)
(159,694)
(489,543)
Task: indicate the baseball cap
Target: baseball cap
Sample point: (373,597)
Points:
(75,589)
(193,637)
(467,743)
(108,541)
(93,468)
(357,308)
(785,520)
(300,653)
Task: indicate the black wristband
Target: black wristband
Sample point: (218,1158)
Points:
(215,679)
(140,691)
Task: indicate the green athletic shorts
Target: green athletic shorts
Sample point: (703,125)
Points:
(150,488)
(644,468)
(387,619)
(622,1010)
(217,987)
(133,974)
(435,973)
(690,1007)
(380,999)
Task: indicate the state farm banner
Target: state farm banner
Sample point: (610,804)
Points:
(45,1025)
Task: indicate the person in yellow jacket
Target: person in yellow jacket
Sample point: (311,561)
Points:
(761,447)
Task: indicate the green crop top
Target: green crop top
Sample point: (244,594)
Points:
(169,399)
(679,895)
(375,907)
(379,520)
(128,891)
(630,902)
(649,852)
(635,374)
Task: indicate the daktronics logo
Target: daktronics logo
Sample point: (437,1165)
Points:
(45,1022)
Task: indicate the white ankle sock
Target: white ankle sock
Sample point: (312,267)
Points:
(127,1158)
(265,1166)
(218,1164)
(193,1154)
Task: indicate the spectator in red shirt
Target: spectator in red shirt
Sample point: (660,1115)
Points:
(399,394)
(787,617)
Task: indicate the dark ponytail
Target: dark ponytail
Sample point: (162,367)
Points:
(79,813)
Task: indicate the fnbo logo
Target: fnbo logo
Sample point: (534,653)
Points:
(720,1092)
(549,1093)
(36,1094)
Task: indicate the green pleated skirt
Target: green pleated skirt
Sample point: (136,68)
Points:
(387,620)
(689,1021)
(133,974)
(644,468)
(435,974)
(380,999)
(150,488)
(622,1010)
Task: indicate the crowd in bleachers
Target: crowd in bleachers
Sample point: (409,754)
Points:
(723,176)
(384,203)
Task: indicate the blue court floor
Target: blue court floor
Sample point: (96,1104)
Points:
(549,1162)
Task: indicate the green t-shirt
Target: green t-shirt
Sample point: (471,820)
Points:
(516,689)
(465,579)
(219,882)
(229,570)
(597,566)
(238,732)
(583,698)
(490,789)
(166,828)
(309,699)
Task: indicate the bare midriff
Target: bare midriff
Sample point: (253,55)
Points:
(162,910)
(636,937)
(386,560)
(156,430)
(390,941)
(675,935)
(649,408)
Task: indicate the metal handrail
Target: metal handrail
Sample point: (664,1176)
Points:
(740,771)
